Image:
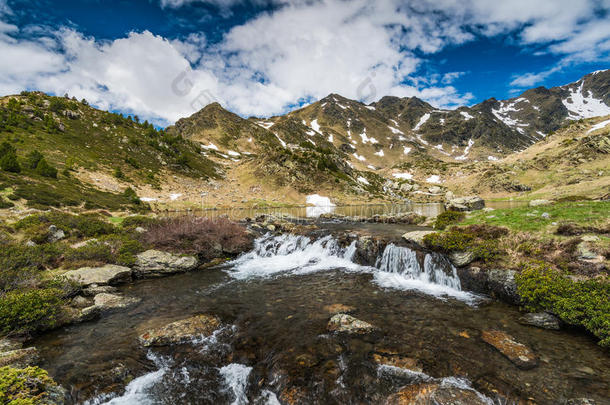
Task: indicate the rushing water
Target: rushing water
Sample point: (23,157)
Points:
(274,344)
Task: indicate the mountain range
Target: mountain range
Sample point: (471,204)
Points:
(395,148)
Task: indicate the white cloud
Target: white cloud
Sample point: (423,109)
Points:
(303,50)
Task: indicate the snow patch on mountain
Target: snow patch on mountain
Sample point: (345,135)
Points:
(421,121)
(465,115)
(363,181)
(464,155)
(582,105)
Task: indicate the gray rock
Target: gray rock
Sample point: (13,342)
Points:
(7,344)
(461,259)
(30,243)
(348,324)
(80,302)
(109,274)
(542,320)
(55,234)
(435,190)
(471,203)
(538,203)
(154,263)
(139,229)
(180,331)
(499,283)
(19,358)
(95,289)
(105,301)
(416,237)
(545,215)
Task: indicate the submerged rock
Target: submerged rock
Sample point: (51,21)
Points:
(338,308)
(180,331)
(348,324)
(19,358)
(471,203)
(416,237)
(437,394)
(518,353)
(542,320)
(109,274)
(155,263)
(392,359)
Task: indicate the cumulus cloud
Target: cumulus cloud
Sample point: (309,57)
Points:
(302,50)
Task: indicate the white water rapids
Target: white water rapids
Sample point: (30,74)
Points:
(397,267)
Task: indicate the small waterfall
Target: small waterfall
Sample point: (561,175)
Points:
(436,269)
(295,254)
(397,267)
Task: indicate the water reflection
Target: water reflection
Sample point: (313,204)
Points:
(366,210)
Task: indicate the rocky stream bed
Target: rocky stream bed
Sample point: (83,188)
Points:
(316,316)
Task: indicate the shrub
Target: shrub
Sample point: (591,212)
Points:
(33,158)
(91,254)
(78,225)
(118,173)
(5,204)
(110,249)
(17,257)
(131,195)
(45,169)
(484,231)
(463,239)
(448,218)
(450,241)
(200,236)
(581,303)
(135,221)
(29,311)
(27,386)
(9,163)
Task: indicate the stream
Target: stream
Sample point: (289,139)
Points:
(274,346)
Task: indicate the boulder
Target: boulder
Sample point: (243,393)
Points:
(461,259)
(55,234)
(542,320)
(7,344)
(105,301)
(19,358)
(109,274)
(180,331)
(518,353)
(499,283)
(95,289)
(80,302)
(435,393)
(154,263)
(416,237)
(348,324)
(471,203)
(435,190)
(538,203)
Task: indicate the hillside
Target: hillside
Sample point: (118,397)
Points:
(573,161)
(95,155)
(393,149)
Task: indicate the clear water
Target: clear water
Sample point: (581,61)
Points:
(274,344)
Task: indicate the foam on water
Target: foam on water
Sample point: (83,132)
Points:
(294,254)
(137,391)
(398,267)
(235,378)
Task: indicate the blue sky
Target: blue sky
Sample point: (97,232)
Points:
(165,59)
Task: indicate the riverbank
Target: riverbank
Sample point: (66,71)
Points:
(80,273)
